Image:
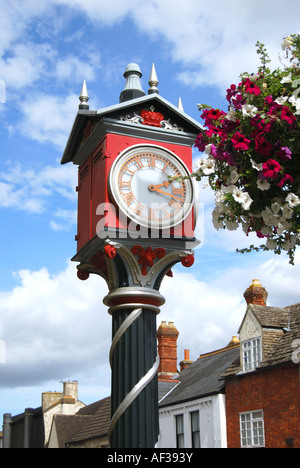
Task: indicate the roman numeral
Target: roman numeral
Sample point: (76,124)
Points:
(151,161)
(129,198)
(179,192)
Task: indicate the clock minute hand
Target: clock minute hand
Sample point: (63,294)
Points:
(156,188)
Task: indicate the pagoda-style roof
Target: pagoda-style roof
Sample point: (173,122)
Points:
(149,117)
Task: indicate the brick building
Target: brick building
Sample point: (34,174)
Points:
(263,385)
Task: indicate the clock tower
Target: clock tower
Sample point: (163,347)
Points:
(137,212)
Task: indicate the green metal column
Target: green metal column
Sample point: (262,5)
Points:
(134,355)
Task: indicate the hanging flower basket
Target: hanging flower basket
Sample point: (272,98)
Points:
(252,154)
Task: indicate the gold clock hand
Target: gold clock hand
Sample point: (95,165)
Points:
(156,188)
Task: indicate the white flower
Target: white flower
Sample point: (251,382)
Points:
(238,195)
(231,115)
(271,244)
(287,78)
(234,176)
(263,184)
(290,243)
(208,167)
(293,200)
(286,213)
(219,196)
(256,166)
(247,201)
(232,225)
(218,224)
(254,77)
(249,110)
(281,100)
(295,102)
(287,41)
(208,148)
(242,197)
(269,218)
(275,208)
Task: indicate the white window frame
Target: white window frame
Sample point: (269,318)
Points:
(252,354)
(252,432)
(195,431)
(179,425)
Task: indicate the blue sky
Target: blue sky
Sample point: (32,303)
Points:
(55,327)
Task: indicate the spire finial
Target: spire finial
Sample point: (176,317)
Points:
(153,81)
(133,88)
(84,97)
(180,106)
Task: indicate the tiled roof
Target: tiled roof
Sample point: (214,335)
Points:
(281,326)
(283,351)
(97,423)
(202,378)
(92,420)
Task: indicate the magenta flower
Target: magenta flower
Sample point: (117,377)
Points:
(231,92)
(240,142)
(210,115)
(286,178)
(200,142)
(287,115)
(262,146)
(271,169)
(284,153)
(251,88)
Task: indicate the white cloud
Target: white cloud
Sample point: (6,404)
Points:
(29,190)
(53,326)
(56,326)
(213,45)
(48,119)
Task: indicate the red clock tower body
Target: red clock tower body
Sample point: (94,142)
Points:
(133,261)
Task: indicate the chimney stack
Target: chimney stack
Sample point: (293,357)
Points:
(256,294)
(186,362)
(167,335)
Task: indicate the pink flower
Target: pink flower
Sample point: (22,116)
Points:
(201,142)
(231,92)
(210,115)
(287,115)
(284,153)
(271,169)
(251,88)
(262,146)
(285,178)
(238,101)
(240,142)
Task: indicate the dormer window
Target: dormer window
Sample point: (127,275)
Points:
(251,354)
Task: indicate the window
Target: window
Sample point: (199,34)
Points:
(251,354)
(179,431)
(252,429)
(195,429)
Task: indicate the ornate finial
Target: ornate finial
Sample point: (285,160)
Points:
(133,88)
(180,106)
(153,81)
(84,97)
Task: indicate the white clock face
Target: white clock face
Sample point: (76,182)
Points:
(140,185)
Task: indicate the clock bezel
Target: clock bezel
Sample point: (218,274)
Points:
(118,200)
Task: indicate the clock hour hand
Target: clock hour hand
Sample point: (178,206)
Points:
(156,188)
